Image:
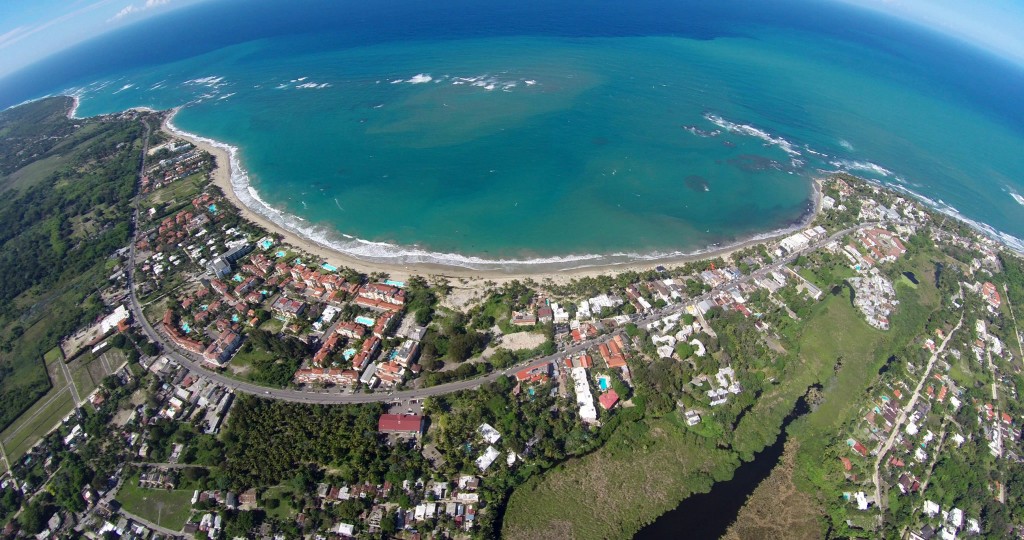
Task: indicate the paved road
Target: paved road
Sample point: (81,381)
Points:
(194,363)
(902,417)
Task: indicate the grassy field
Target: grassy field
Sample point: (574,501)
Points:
(36,422)
(19,437)
(241,364)
(179,192)
(167,508)
(88,371)
(284,510)
(643,470)
(835,334)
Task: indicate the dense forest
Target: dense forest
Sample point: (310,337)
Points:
(67,187)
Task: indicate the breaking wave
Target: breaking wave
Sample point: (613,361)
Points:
(395,254)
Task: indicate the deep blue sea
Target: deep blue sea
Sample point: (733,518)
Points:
(561,133)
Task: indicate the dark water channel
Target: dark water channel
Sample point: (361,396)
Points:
(708,515)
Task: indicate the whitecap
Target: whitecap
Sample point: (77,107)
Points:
(864,166)
(420,79)
(752,131)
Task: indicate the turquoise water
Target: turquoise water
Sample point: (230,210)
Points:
(603,383)
(348,353)
(394,283)
(329,267)
(365,321)
(569,150)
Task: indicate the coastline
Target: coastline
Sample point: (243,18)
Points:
(231,178)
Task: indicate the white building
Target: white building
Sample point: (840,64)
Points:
(584,398)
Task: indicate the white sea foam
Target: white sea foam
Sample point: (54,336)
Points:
(420,79)
(313,85)
(864,166)
(397,81)
(752,131)
(225,96)
(211,81)
(846,144)
(384,252)
(123,88)
(1007,239)
(1016,196)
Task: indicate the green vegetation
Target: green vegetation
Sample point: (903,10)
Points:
(266,439)
(21,434)
(643,470)
(58,225)
(168,508)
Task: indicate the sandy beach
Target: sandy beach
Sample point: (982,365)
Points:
(459,276)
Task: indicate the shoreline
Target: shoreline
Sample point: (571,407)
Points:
(231,178)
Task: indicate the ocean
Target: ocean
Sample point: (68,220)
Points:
(562,133)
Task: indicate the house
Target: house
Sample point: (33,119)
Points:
(608,399)
(991,295)
(401,424)
(488,457)
(488,433)
(539,374)
(286,309)
(407,353)
(612,352)
(222,348)
(352,330)
(523,318)
(326,375)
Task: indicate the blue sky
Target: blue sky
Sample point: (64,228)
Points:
(33,29)
(995,25)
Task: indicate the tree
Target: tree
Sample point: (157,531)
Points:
(150,349)
(387,524)
(34,517)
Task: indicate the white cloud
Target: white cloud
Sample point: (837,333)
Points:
(132,8)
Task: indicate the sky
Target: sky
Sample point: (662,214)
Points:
(31,30)
(994,25)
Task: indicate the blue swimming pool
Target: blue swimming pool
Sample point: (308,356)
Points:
(365,321)
(394,283)
(329,267)
(348,353)
(603,383)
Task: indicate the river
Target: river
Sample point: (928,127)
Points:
(708,515)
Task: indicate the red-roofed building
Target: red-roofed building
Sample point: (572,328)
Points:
(847,464)
(402,424)
(608,399)
(991,295)
(612,353)
(860,449)
(538,374)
